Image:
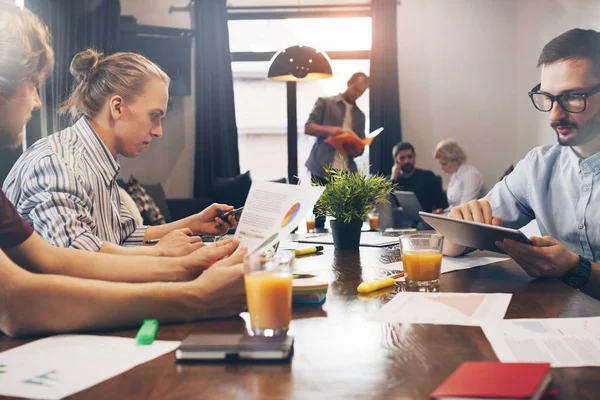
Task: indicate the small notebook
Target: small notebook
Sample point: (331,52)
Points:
(235,346)
(308,289)
(495,380)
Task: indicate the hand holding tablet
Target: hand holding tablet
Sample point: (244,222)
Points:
(472,234)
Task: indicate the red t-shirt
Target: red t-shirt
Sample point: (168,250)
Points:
(14,230)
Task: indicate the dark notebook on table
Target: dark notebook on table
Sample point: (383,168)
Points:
(235,346)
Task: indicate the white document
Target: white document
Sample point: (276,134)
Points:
(371,239)
(469,309)
(59,366)
(562,342)
(272,211)
(450,264)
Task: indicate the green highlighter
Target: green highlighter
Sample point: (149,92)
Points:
(147,332)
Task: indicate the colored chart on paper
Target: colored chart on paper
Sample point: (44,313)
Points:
(290,215)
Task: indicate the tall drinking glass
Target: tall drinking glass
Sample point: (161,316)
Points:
(268,280)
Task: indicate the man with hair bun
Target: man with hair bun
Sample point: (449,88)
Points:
(35,294)
(65,185)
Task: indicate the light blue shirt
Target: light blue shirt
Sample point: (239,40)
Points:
(560,191)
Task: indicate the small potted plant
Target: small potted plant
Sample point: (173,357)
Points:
(349,197)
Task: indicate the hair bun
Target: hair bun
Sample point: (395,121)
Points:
(85,64)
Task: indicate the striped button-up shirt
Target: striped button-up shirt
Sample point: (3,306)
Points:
(560,191)
(65,187)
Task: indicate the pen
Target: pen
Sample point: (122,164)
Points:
(147,332)
(308,250)
(154,241)
(367,287)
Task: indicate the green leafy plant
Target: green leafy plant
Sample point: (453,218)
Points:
(351,196)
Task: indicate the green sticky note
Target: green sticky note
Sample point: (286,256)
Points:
(147,332)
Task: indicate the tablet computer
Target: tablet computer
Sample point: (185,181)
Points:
(409,203)
(472,234)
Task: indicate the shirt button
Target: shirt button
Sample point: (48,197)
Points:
(584,165)
(596,169)
(580,226)
(585,188)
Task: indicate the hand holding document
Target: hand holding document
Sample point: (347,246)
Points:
(468,309)
(563,342)
(349,139)
(59,366)
(272,211)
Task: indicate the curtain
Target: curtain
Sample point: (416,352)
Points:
(75,25)
(216,148)
(384,97)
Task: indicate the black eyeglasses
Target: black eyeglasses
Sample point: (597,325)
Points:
(570,102)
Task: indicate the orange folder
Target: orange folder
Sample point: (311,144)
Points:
(348,140)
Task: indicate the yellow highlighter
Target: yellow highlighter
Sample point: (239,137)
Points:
(308,250)
(367,287)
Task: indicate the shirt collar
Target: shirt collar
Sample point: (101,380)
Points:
(585,165)
(99,155)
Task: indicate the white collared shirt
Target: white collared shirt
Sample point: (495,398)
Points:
(65,187)
(465,184)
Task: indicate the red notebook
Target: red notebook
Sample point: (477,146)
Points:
(495,380)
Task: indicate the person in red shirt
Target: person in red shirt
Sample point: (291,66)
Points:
(37,297)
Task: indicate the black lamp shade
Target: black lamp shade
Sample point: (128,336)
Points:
(299,63)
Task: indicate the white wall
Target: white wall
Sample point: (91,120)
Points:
(538,23)
(465,67)
(169,160)
(457,70)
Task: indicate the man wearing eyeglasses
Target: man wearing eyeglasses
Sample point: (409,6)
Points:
(557,185)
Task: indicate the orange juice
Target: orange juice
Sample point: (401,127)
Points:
(422,265)
(374,223)
(310,224)
(269,297)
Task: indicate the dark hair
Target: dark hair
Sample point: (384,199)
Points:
(573,45)
(402,146)
(357,75)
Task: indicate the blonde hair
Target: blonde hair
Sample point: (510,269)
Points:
(448,150)
(98,78)
(25,49)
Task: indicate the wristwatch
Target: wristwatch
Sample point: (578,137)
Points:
(580,275)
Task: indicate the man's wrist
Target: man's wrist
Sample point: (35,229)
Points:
(578,276)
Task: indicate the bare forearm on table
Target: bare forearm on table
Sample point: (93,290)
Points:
(50,303)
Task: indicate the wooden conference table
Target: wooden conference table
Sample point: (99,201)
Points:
(340,354)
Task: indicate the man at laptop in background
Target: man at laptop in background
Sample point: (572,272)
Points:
(424,183)
(557,185)
(332,116)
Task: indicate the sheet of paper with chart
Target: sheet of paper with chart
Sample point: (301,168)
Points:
(272,211)
(563,342)
(450,264)
(469,309)
(59,366)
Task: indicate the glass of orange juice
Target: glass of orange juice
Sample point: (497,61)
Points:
(374,220)
(422,259)
(310,223)
(268,281)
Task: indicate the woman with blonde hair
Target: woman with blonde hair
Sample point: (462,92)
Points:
(65,185)
(466,182)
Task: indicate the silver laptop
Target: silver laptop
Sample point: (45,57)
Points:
(410,204)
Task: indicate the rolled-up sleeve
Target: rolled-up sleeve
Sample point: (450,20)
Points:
(133,234)
(58,205)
